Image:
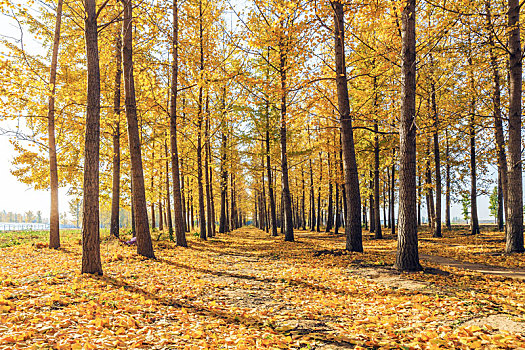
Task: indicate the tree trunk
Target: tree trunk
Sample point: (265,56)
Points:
(431,213)
(418,200)
(353,230)
(270,182)
(144,245)
(447,197)
(115,193)
(407,256)
(178,210)
(514,238)
(202,218)
(182,196)
(437,162)
(287,201)
(312,199)
(161,218)
(168,197)
(319,217)
(54,224)
(303,199)
(372,208)
(330,218)
(91,262)
(474,224)
(393,194)
(209,223)
(377,218)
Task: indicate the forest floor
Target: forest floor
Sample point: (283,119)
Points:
(248,290)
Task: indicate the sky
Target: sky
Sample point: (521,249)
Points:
(19,197)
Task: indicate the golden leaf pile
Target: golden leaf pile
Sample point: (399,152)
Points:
(246,290)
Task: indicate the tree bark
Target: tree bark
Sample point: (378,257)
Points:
(372,209)
(437,162)
(353,230)
(330,212)
(377,218)
(178,210)
(393,194)
(209,222)
(319,217)
(407,256)
(474,223)
(431,213)
(144,244)
(312,199)
(447,174)
(54,223)
(287,201)
(514,237)
(115,193)
(91,262)
(223,222)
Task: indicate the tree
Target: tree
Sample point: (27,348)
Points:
(115,197)
(54,230)
(494,204)
(514,238)
(91,262)
(144,244)
(353,228)
(180,231)
(407,256)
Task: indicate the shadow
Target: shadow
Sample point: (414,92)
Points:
(249,321)
(292,282)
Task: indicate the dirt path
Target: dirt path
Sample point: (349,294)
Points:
(481,268)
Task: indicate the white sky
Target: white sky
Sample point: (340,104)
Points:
(18,197)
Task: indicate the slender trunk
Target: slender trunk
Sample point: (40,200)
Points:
(437,162)
(372,208)
(377,218)
(353,229)
(182,195)
(209,223)
(343,190)
(91,262)
(418,200)
(168,197)
(319,218)
(270,182)
(161,218)
(447,197)
(514,237)
(500,220)
(385,218)
(312,199)
(263,197)
(393,194)
(431,214)
(474,224)
(303,214)
(388,198)
(115,192)
(192,212)
(54,224)
(144,244)
(330,212)
(152,204)
(224,186)
(178,210)
(407,256)
(498,121)
(287,201)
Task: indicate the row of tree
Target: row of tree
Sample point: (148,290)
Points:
(288,115)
